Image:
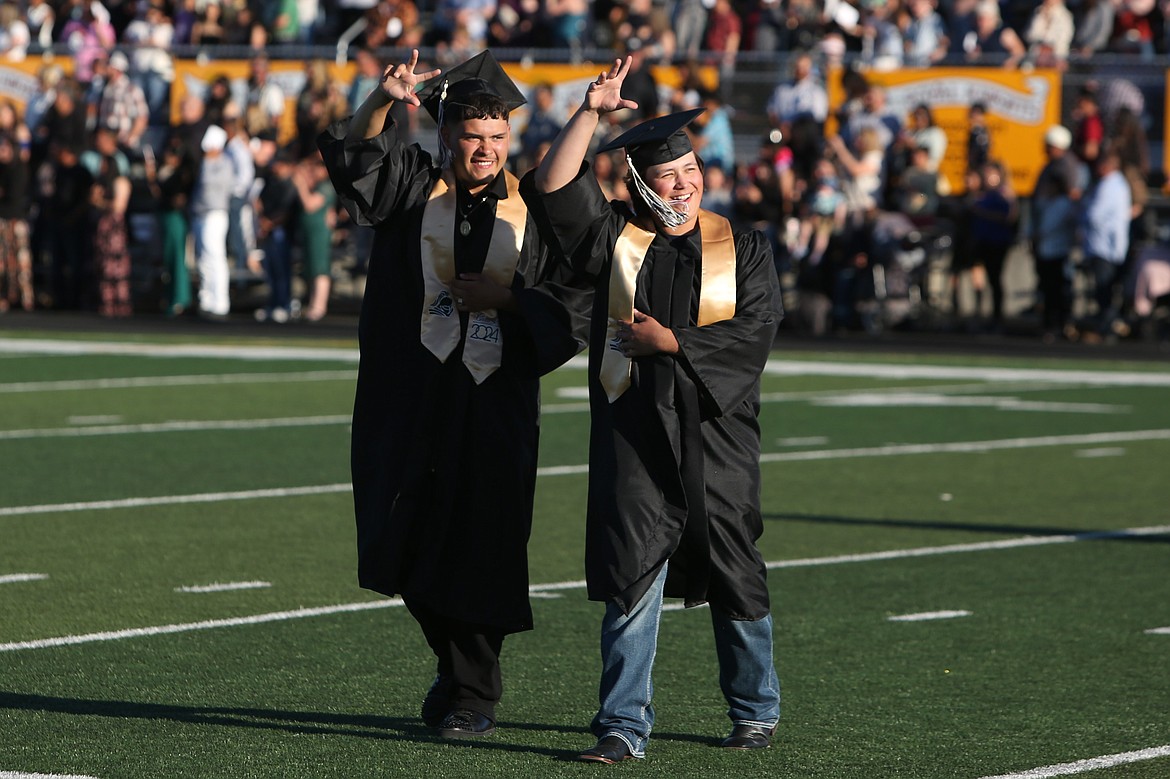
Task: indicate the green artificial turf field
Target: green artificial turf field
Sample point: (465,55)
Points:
(969,565)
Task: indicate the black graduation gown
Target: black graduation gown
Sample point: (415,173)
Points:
(443,469)
(674,461)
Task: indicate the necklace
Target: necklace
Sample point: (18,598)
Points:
(464,224)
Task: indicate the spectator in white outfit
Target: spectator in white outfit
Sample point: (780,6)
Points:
(1050,34)
(1105,220)
(925,39)
(802,97)
(209,223)
(14,34)
(241,216)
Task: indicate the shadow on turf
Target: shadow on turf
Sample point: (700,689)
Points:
(1088,535)
(302,722)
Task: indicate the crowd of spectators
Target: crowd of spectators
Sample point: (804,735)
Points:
(883,33)
(843,211)
(220,190)
(860,217)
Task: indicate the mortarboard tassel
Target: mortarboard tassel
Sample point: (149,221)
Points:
(660,207)
(445,155)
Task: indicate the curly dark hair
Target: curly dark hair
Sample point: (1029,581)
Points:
(475,107)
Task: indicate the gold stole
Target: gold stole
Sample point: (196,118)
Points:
(716,291)
(440,331)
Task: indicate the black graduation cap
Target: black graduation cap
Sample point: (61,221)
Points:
(480,75)
(657,140)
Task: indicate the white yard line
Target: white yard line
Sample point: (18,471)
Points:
(1091,764)
(926,616)
(677,606)
(209,624)
(283,616)
(990,374)
(564,408)
(136,382)
(977,546)
(171,500)
(1105,451)
(776,366)
(224,587)
(174,426)
(78,430)
(230,352)
(924,399)
(15,578)
(810,440)
(893,450)
(969,447)
(96,419)
(23,775)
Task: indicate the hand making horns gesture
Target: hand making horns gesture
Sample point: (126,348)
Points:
(604,94)
(399,81)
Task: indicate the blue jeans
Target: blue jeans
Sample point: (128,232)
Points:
(629,643)
(1106,277)
(157,91)
(278,269)
(241,230)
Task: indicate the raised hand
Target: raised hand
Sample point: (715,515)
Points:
(399,81)
(563,161)
(605,94)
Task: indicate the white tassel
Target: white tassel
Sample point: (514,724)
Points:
(667,215)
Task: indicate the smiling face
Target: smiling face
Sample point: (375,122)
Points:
(479,148)
(680,183)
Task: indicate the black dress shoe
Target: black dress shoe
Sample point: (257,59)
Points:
(608,750)
(437,704)
(748,737)
(465,723)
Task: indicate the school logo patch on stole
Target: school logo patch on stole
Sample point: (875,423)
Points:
(483,328)
(443,306)
(615,344)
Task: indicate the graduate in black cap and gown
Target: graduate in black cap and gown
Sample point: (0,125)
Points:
(684,314)
(453,341)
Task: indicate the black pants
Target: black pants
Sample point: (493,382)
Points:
(1107,278)
(468,654)
(993,256)
(1053,286)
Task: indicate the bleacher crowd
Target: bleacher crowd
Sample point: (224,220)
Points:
(893,32)
(854,216)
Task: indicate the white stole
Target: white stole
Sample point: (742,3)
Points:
(440,329)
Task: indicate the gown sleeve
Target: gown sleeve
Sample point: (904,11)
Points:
(375,177)
(561,300)
(553,309)
(576,222)
(725,359)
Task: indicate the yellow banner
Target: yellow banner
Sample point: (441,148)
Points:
(568,82)
(1166,137)
(20,81)
(1020,107)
